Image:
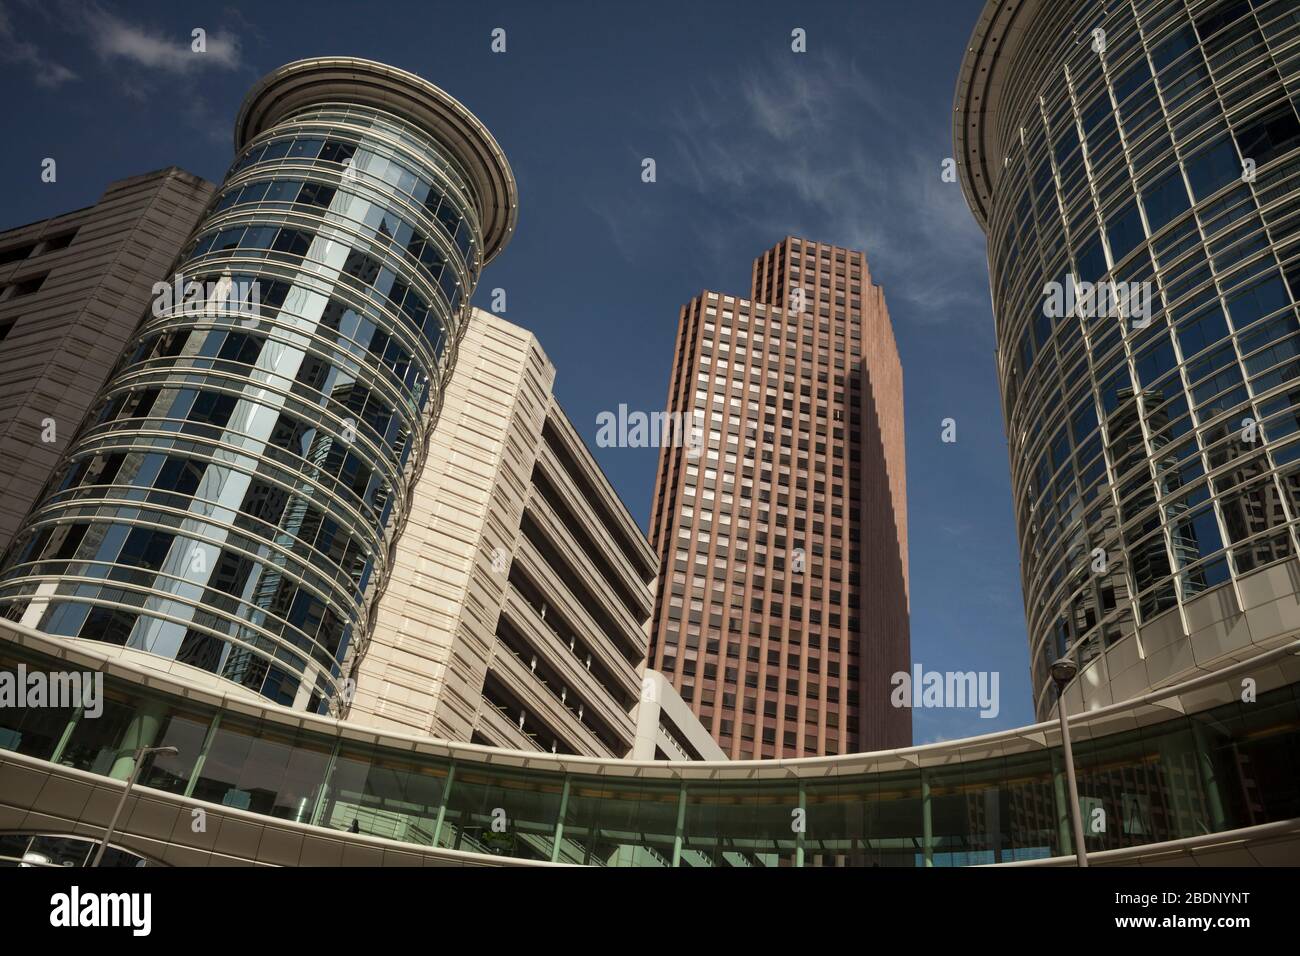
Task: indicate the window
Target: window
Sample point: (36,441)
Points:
(1203,332)
(1124,231)
(1213,168)
(1256,302)
(1155,361)
(61,241)
(29,286)
(1173,48)
(1091,261)
(1164,200)
(1198,537)
(1270,136)
(1221,16)
(308,148)
(1128,84)
(316,194)
(1271,331)
(15,253)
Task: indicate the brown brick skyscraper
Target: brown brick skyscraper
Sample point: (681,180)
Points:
(783,609)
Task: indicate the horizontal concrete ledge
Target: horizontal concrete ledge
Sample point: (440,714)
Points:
(1269,844)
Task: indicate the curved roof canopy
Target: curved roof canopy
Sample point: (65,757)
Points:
(981,85)
(367,83)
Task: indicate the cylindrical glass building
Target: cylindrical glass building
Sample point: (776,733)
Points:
(232,501)
(1150,150)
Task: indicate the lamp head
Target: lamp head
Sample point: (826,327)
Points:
(1063,672)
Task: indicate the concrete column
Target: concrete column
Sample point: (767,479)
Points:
(646,714)
(142,731)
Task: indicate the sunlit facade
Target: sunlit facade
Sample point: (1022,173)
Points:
(1154,461)
(782,531)
(232,500)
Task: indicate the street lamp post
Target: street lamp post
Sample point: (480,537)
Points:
(1063,672)
(140,754)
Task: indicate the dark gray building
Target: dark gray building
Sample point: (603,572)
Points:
(72,290)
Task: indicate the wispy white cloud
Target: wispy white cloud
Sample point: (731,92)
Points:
(145,47)
(45,72)
(144,60)
(819,149)
(141,55)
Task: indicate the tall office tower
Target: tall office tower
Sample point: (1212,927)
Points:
(520,597)
(783,609)
(72,290)
(1154,145)
(232,501)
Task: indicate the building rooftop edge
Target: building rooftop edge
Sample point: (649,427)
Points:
(437,112)
(993,44)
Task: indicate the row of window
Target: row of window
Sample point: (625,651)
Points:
(380,223)
(229,505)
(1128,164)
(349,160)
(357,269)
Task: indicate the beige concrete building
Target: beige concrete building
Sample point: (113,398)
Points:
(72,290)
(518,607)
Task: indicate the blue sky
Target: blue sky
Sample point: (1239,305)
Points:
(751,142)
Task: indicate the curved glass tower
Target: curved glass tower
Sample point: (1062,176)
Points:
(1150,150)
(232,501)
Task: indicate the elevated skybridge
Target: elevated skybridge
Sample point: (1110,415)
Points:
(1191,772)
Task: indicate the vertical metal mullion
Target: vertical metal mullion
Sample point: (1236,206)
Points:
(203,754)
(442,806)
(681,826)
(327,778)
(68,729)
(559,820)
(927,822)
(799,837)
